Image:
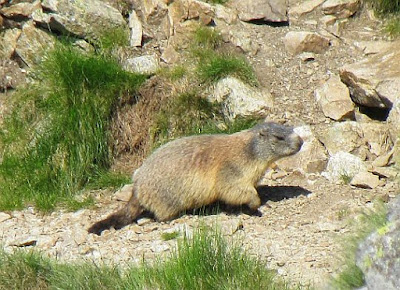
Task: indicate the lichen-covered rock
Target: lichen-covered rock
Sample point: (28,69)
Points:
(379,255)
(343,166)
(239,99)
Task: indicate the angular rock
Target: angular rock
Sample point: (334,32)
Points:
(226,14)
(341,8)
(125,193)
(343,166)
(303,41)
(136,30)
(239,36)
(328,20)
(394,118)
(170,55)
(239,99)
(4,216)
(21,10)
(146,64)
(346,136)
(8,42)
(32,43)
(378,256)
(377,137)
(85,19)
(312,157)
(373,47)
(375,81)
(154,11)
(366,180)
(183,10)
(303,8)
(335,101)
(385,172)
(261,10)
(11,75)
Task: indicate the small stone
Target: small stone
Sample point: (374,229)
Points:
(125,193)
(25,242)
(4,216)
(143,221)
(146,64)
(366,180)
(280,263)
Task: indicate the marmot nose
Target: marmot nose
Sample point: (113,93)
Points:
(297,141)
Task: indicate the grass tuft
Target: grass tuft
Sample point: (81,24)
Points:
(57,138)
(385,7)
(205,261)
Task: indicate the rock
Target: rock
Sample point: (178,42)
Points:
(154,11)
(239,99)
(232,226)
(303,41)
(346,136)
(303,8)
(21,10)
(8,42)
(328,20)
(25,242)
(343,166)
(226,14)
(10,75)
(372,47)
(394,118)
(335,101)
(136,29)
(341,8)
(32,43)
(261,10)
(85,19)
(366,180)
(183,10)
(143,221)
(378,256)
(125,193)
(385,172)
(377,137)
(239,36)
(170,55)
(312,157)
(146,64)
(4,216)
(375,81)
(383,160)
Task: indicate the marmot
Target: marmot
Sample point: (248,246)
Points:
(194,171)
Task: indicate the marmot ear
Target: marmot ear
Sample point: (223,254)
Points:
(263,132)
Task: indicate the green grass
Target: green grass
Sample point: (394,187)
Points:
(392,26)
(116,37)
(57,138)
(207,37)
(191,114)
(206,261)
(352,277)
(385,7)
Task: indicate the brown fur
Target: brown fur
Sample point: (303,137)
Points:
(195,171)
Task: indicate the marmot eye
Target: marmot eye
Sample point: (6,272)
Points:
(280,138)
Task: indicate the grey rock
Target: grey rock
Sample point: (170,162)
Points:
(8,42)
(86,19)
(146,64)
(239,99)
(4,216)
(125,193)
(262,10)
(379,255)
(136,29)
(343,166)
(302,8)
(32,44)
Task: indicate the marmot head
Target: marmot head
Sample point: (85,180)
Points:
(272,141)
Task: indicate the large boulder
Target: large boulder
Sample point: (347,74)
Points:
(261,10)
(379,255)
(343,166)
(85,19)
(239,99)
(375,81)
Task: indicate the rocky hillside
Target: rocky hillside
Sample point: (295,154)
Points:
(323,65)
